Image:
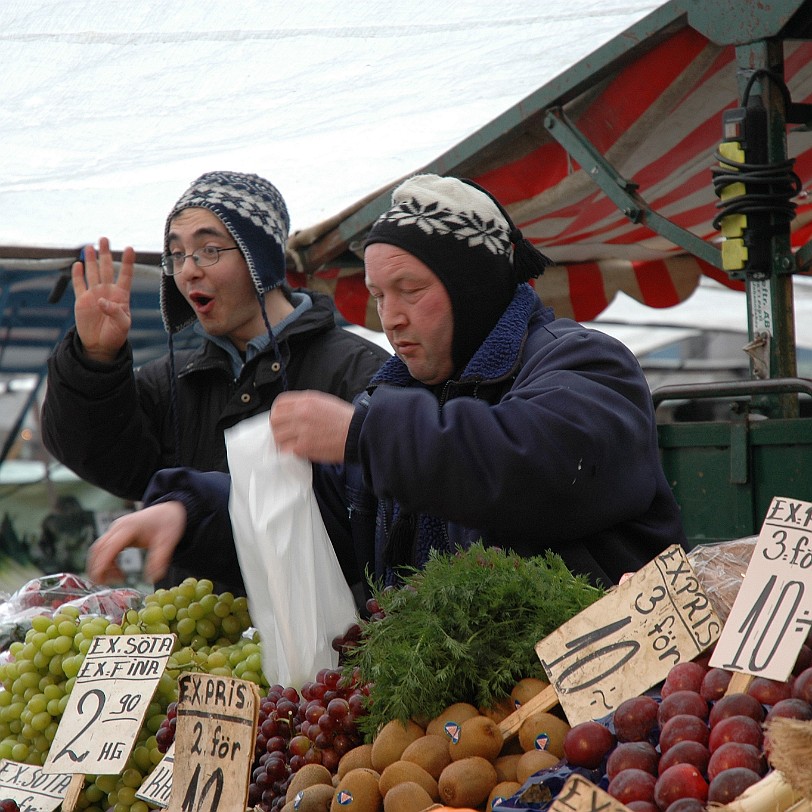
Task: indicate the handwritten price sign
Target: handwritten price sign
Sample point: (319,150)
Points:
(108,703)
(772,613)
(32,789)
(214,743)
(580,795)
(659,617)
(157,788)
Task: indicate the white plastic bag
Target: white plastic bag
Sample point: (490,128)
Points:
(297,594)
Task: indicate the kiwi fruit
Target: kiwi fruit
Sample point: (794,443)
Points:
(357,792)
(467,782)
(503,790)
(526,689)
(315,798)
(501,710)
(543,731)
(400,771)
(306,776)
(478,736)
(532,761)
(407,796)
(454,714)
(360,756)
(392,739)
(506,767)
(430,752)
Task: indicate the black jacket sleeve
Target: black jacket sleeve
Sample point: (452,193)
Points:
(92,411)
(207,547)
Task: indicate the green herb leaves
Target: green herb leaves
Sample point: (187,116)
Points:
(463,629)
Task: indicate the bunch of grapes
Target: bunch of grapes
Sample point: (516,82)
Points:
(342,643)
(316,725)
(39,673)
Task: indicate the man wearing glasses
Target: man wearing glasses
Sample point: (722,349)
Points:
(224,274)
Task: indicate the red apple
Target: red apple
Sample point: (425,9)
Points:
(636,718)
(628,755)
(738,704)
(728,785)
(679,781)
(682,702)
(586,744)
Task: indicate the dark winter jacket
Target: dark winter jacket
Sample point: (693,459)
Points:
(112,426)
(546,441)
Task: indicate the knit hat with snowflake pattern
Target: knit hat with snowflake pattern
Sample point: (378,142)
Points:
(468,240)
(255,214)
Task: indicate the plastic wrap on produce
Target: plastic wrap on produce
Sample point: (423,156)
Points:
(720,568)
(541,789)
(48,593)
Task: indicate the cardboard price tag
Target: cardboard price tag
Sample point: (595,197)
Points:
(108,702)
(214,743)
(157,786)
(31,788)
(580,795)
(628,641)
(772,614)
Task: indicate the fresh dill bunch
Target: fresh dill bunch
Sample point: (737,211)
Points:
(462,629)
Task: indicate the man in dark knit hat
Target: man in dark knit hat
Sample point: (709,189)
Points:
(493,421)
(224,273)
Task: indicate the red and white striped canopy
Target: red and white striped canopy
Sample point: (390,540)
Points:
(651,104)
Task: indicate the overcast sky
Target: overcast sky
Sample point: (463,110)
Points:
(111,107)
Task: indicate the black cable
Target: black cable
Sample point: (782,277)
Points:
(777,184)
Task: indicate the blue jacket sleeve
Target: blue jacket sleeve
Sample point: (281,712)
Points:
(207,548)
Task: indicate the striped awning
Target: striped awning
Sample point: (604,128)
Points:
(650,104)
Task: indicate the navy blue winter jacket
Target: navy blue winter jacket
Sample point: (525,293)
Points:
(547,440)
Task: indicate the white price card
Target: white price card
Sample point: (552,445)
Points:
(108,703)
(157,786)
(630,639)
(772,613)
(31,788)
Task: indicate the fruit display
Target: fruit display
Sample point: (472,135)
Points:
(38,672)
(412,716)
(690,744)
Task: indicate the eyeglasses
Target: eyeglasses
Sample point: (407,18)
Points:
(207,255)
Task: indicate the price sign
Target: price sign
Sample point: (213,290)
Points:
(31,788)
(580,795)
(628,641)
(772,613)
(214,743)
(157,787)
(108,702)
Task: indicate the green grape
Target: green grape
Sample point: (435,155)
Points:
(92,792)
(152,615)
(203,587)
(206,629)
(186,628)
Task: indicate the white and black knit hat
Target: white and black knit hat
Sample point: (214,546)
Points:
(464,235)
(255,214)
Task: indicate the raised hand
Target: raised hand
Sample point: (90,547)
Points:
(102,309)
